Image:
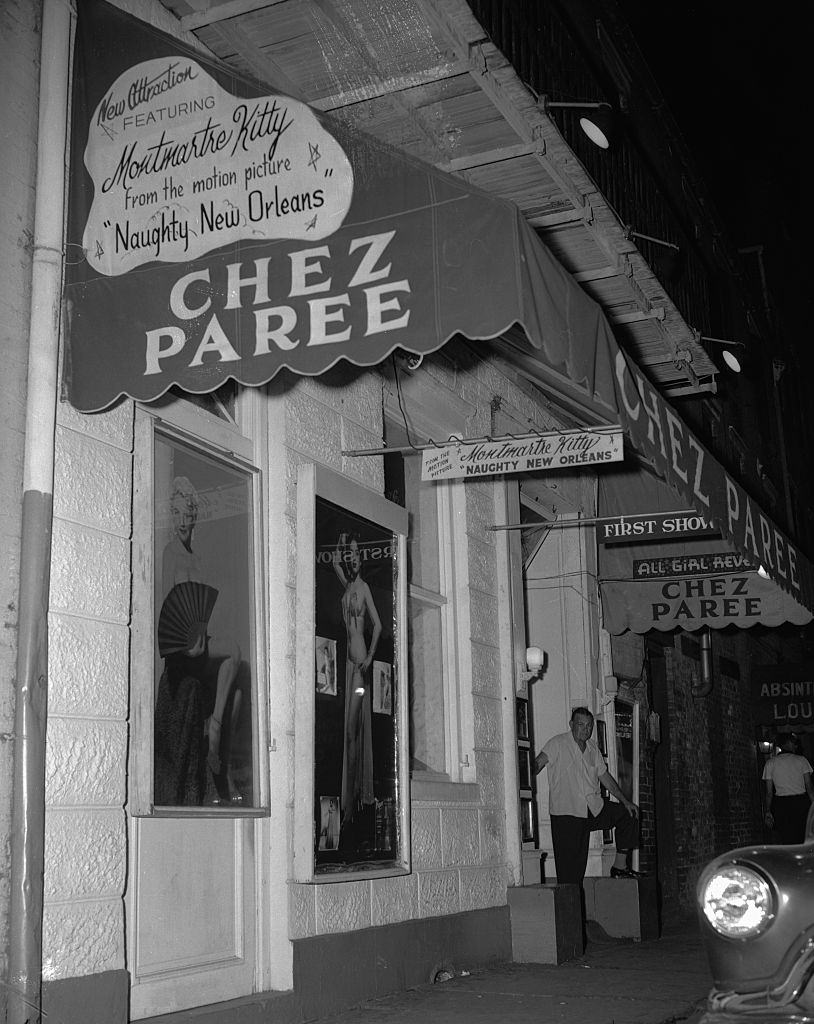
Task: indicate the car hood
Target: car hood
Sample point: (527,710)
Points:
(765,960)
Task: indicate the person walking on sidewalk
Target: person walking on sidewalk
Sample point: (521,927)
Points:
(576,768)
(789,790)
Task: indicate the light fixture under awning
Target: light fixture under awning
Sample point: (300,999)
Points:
(687,583)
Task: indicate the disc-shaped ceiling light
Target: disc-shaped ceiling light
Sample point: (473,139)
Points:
(730,357)
(598,120)
(598,125)
(733,352)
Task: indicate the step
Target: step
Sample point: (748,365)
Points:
(546,923)
(626,908)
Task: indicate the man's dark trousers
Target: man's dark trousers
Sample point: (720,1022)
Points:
(570,836)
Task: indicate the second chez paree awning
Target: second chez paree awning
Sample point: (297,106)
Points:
(217,231)
(676,580)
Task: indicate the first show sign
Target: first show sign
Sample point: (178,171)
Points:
(653,526)
(567,449)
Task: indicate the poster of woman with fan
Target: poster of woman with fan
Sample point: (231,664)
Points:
(202,732)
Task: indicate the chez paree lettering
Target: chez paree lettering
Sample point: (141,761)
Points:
(316,318)
(666,440)
(706,599)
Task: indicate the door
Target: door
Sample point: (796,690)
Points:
(192,913)
(197,795)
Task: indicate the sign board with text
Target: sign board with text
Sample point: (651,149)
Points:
(566,449)
(694,564)
(730,598)
(783,695)
(653,526)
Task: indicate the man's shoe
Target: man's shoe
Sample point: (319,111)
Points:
(626,873)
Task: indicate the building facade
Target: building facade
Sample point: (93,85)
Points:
(237,887)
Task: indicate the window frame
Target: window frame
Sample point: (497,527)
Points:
(318,482)
(229,442)
(438,413)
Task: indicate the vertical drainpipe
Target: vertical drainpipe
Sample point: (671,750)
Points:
(31,705)
(704,687)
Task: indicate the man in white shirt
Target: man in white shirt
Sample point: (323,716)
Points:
(576,768)
(789,790)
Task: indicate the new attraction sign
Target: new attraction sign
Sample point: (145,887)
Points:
(567,449)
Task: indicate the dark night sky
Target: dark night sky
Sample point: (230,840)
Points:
(734,76)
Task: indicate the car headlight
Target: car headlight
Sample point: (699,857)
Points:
(737,901)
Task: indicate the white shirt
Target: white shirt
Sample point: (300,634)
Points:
(573,776)
(786,772)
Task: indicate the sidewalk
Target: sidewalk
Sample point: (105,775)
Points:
(662,981)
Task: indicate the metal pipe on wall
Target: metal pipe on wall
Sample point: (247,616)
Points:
(704,687)
(31,704)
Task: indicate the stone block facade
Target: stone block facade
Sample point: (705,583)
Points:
(87,742)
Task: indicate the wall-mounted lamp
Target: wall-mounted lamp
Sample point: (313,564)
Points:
(599,125)
(536,661)
(409,360)
(733,359)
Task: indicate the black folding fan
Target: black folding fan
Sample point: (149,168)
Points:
(184,617)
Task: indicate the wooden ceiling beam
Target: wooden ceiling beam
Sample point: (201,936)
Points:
(360,52)
(390,86)
(582,215)
(492,156)
(636,315)
(261,64)
(223,11)
(599,274)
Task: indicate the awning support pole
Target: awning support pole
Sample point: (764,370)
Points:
(560,524)
(31,700)
(408,449)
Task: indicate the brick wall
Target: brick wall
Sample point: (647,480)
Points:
(707,757)
(713,758)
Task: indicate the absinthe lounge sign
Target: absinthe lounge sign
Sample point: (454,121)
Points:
(783,695)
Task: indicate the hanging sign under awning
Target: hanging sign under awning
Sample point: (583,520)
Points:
(652,526)
(566,449)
